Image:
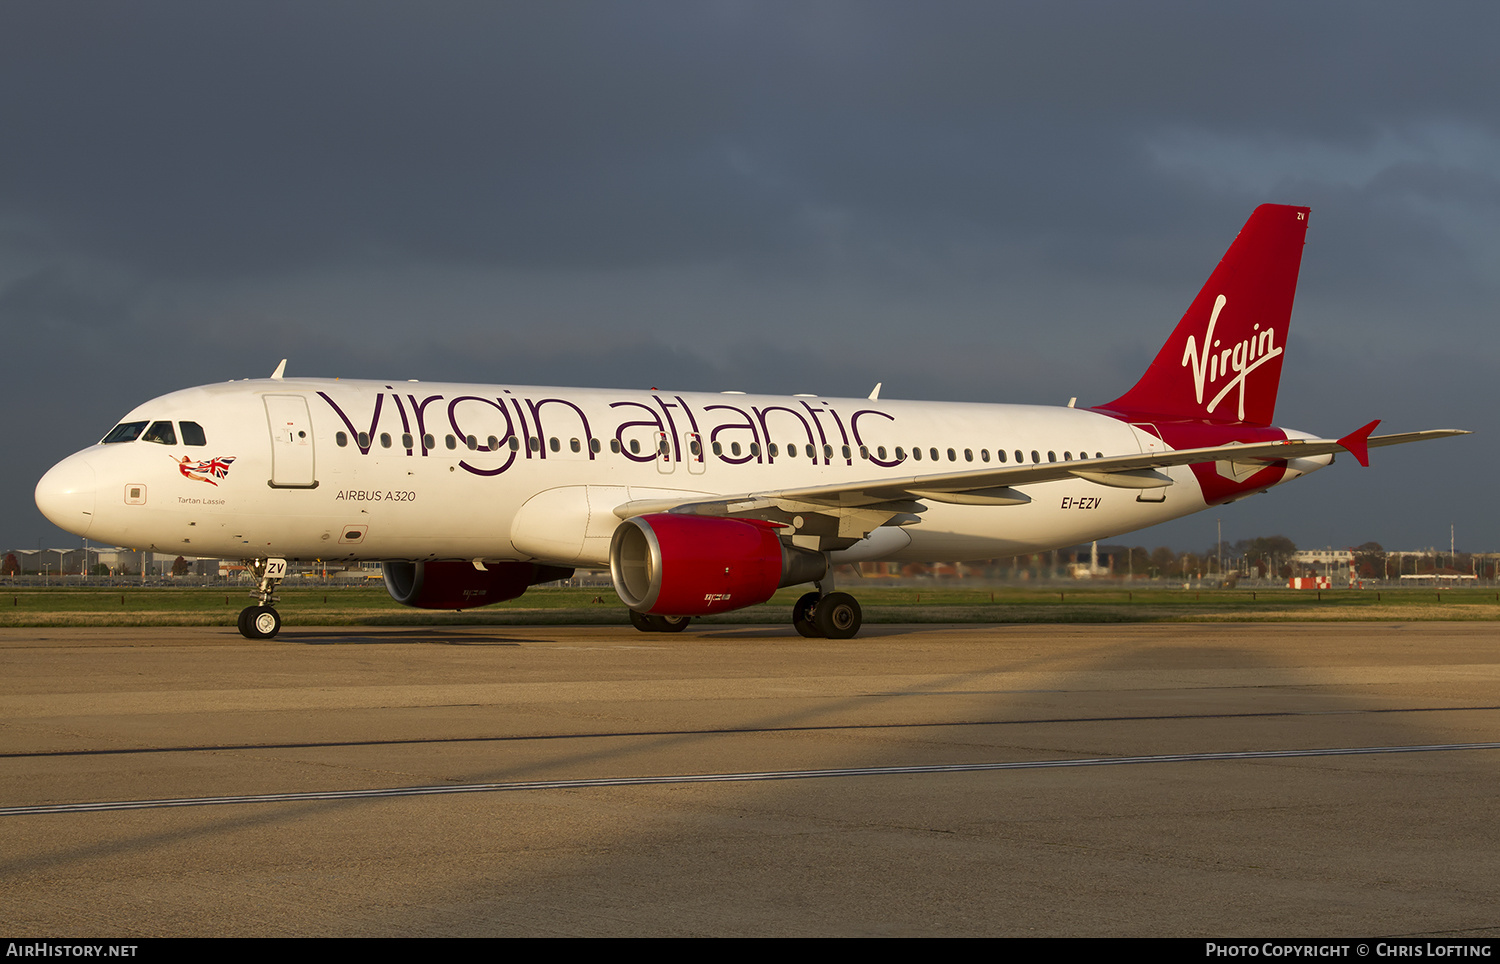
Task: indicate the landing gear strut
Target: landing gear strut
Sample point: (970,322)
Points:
(262,621)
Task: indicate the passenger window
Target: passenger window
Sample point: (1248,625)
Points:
(471,442)
(827,453)
(933,453)
(1051,456)
(124,432)
(774,450)
(161,432)
(1067,456)
(575,445)
(1035,458)
(880,452)
(900,455)
(407,441)
(515,444)
(953,456)
(534,444)
(341,439)
(491,444)
(1000,455)
(718,448)
(968,455)
(635,447)
(428,442)
(916,453)
(554,444)
(614,446)
(385,440)
(734,448)
(450,441)
(846,452)
(984,455)
(192,433)
(1019,457)
(812,453)
(864,452)
(594,446)
(791,451)
(363,438)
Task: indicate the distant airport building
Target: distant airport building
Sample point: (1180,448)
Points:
(111,563)
(1324,557)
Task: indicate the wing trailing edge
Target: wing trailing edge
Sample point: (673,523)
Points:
(878,502)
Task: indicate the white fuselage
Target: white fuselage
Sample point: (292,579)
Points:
(331,469)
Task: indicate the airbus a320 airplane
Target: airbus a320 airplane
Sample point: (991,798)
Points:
(698,503)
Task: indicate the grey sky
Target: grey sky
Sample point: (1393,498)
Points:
(1007,202)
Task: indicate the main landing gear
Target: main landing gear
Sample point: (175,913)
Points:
(834,615)
(648,623)
(262,621)
(817,615)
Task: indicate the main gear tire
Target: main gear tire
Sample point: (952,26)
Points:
(802,616)
(838,616)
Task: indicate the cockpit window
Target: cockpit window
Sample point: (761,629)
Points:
(160,432)
(192,433)
(124,432)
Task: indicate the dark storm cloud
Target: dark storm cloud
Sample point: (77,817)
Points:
(60,297)
(190,138)
(966,200)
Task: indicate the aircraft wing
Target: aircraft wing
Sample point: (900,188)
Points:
(1404,437)
(860,507)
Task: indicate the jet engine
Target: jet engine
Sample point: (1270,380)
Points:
(687,565)
(450,584)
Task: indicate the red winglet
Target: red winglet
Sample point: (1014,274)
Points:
(1355,443)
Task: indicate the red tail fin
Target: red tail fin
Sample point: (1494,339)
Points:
(1223,361)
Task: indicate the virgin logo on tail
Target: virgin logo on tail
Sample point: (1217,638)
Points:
(1213,362)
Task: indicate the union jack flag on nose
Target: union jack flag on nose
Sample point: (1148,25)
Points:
(217,467)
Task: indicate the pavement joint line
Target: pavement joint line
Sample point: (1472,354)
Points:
(751,777)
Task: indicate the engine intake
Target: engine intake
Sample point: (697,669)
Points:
(447,584)
(686,565)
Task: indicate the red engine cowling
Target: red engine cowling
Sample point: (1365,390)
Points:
(687,565)
(447,584)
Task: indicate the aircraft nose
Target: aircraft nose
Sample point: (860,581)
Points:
(66,495)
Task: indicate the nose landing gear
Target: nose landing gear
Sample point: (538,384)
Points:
(259,622)
(262,621)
